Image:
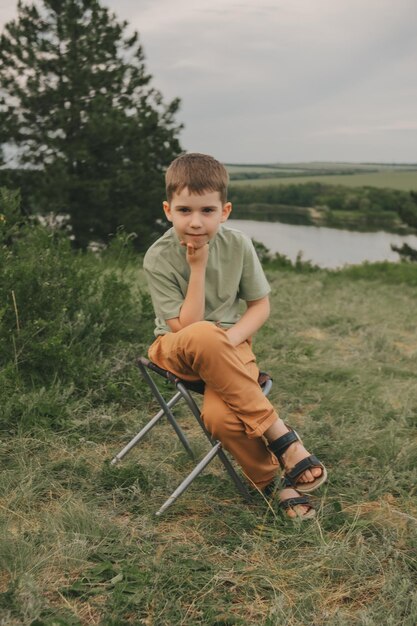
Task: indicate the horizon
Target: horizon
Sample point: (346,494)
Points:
(303,162)
(278,163)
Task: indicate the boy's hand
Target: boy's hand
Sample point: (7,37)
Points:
(197,256)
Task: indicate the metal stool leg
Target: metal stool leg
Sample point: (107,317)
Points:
(240,485)
(145,429)
(164,406)
(187,481)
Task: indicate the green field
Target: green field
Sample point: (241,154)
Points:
(79,542)
(393,179)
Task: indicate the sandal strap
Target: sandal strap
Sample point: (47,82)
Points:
(281,444)
(290,478)
(289,503)
(270,488)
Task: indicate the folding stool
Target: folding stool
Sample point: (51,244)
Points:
(183,393)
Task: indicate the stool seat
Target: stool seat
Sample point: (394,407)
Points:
(183,389)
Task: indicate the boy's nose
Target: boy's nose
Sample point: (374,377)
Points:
(195,221)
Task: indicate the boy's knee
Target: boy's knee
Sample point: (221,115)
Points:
(206,333)
(217,427)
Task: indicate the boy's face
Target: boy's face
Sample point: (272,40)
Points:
(196,218)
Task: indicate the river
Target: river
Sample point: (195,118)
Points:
(326,247)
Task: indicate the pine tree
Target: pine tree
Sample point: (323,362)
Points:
(77,104)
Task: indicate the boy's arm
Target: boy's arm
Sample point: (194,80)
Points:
(254,317)
(193,307)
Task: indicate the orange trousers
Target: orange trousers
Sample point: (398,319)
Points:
(235,411)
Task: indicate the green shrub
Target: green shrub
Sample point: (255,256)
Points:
(279,261)
(63,313)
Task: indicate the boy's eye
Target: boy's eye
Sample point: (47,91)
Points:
(183,209)
(208,209)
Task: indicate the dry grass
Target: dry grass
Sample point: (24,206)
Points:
(80,540)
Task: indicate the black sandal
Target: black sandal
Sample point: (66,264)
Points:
(275,486)
(291,503)
(279,446)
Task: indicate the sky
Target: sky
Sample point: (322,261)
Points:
(264,81)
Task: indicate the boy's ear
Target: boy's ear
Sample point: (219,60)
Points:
(167,211)
(226,210)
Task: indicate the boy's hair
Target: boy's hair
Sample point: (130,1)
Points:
(199,173)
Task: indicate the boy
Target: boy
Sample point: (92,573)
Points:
(197,272)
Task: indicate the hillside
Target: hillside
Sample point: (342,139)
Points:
(394,176)
(80,544)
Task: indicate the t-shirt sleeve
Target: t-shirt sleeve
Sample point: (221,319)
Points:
(253,283)
(165,292)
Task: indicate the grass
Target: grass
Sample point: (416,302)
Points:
(80,543)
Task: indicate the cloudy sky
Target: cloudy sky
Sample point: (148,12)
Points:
(284,80)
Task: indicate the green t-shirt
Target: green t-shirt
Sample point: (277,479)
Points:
(233,273)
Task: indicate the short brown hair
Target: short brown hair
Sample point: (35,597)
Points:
(199,173)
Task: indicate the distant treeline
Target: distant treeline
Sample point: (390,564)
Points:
(360,208)
(334,204)
(302,172)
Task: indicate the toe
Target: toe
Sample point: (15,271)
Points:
(316,472)
(291,513)
(301,509)
(308,477)
(297,511)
